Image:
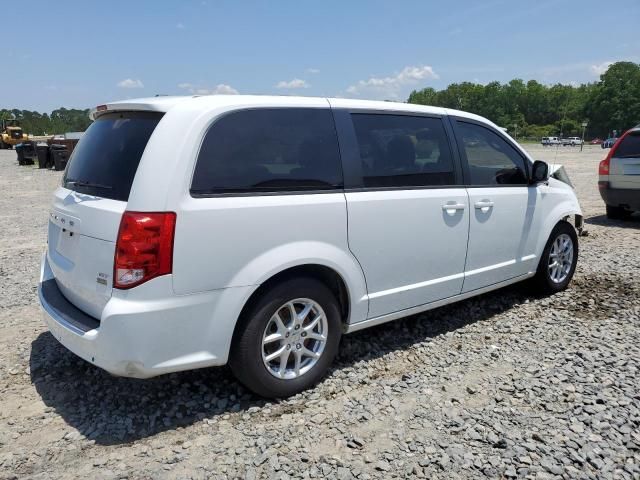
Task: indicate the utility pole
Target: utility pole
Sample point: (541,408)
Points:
(584,126)
(515,126)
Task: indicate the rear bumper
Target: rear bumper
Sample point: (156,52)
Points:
(149,336)
(617,197)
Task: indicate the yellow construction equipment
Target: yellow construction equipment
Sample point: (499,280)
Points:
(11,134)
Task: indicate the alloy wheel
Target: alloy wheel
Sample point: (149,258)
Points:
(560,258)
(294,338)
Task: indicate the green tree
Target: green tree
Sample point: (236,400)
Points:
(61,120)
(541,110)
(614,103)
(426,96)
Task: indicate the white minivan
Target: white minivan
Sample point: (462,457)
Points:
(190,232)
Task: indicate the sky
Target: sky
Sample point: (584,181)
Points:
(79,54)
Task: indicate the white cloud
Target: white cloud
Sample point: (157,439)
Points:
(295,83)
(220,89)
(223,89)
(391,87)
(180,26)
(130,83)
(600,68)
(313,70)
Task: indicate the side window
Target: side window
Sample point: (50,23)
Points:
(269,150)
(492,161)
(403,151)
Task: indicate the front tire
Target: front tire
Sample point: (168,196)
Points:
(288,339)
(559,259)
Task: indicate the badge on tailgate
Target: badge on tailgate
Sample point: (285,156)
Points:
(66,222)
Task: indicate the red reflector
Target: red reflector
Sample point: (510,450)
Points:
(101,108)
(144,248)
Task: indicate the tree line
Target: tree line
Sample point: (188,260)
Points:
(535,110)
(61,120)
(528,109)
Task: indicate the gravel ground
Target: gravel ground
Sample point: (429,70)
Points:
(505,385)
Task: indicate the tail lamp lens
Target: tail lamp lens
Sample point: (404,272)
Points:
(144,249)
(603,168)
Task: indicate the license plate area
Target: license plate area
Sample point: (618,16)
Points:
(67,243)
(631,168)
(63,236)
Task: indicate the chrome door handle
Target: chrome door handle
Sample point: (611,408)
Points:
(484,205)
(452,208)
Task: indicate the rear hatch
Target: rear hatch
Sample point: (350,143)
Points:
(87,209)
(624,170)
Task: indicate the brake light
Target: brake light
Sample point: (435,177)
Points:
(101,108)
(603,168)
(144,248)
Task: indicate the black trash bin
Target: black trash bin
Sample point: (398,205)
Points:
(28,153)
(60,155)
(42,152)
(20,152)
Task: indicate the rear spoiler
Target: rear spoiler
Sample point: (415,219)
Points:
(152,104)
(94,113)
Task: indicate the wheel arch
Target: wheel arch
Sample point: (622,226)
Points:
(323,273)
(572,216)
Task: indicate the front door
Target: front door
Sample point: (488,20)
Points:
(502,207)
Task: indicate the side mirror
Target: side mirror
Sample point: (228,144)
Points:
(539,172)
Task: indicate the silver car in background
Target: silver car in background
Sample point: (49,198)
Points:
(619,172)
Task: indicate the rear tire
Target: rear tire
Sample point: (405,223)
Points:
(617,213)
(559,259)
(276,354)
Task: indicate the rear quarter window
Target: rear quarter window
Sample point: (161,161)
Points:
(269,150)
(629,146)
(105,161)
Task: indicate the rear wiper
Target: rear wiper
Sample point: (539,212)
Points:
(84,183)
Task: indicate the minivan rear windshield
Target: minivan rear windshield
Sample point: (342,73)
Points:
(629,146)
(106,159)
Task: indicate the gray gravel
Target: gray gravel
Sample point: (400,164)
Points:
(507,385)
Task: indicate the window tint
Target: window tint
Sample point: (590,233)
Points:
(629,146)
(492,161)
(268,150)
(106,159)
(403,151)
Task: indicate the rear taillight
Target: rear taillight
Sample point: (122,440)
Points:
(144,249)
(603,168)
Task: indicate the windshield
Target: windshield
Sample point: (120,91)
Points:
(106,159)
